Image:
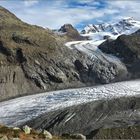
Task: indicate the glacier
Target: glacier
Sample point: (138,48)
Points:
(97,34)
(17,111)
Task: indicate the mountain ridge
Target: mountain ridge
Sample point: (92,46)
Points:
(116,28)
(112,30)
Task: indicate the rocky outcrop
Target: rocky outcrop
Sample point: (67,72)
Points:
(118,133)
(92,118)
(14,83)
(71,32)
(126,47)
(97,72)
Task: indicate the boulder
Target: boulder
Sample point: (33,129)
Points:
(78,136)
(27,129)
(47,135)
(4,138)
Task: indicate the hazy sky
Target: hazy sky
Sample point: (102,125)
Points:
(54,13)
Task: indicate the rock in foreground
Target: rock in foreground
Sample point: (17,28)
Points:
(7,133)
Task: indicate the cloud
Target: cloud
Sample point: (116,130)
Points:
(30,3)
(125,8)
(55,17)
(55,13)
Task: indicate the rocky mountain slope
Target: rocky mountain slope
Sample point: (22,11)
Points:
(127,48)
(34,59)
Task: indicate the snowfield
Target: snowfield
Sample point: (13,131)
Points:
(17,111)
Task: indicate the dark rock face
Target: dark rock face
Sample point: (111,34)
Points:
(127,48)
(19,56)
(103,73)
(106,37)
(90,118)
(4,50)
(123,47)
(137,32)
(13,82)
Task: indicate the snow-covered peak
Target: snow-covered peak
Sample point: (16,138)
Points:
(128,19)
(103,31)
(124,26)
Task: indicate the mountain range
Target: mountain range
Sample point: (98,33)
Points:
(34,59)
(111,30)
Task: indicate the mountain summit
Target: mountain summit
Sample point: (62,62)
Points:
(70,32)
